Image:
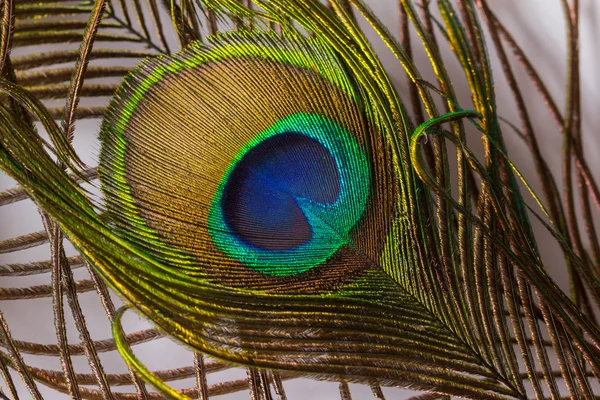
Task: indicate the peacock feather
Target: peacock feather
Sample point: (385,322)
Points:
(270,198)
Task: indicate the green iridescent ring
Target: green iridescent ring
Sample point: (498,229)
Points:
(306,141)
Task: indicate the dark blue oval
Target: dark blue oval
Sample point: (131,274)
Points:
(260,197)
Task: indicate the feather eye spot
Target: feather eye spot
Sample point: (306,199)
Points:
(258,189)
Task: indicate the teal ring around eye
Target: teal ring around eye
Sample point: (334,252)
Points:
(330,223)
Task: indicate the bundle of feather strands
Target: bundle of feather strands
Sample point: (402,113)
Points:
(275,199)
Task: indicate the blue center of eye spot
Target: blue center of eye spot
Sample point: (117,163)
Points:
(260,197)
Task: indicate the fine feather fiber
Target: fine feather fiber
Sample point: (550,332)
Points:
(272,198)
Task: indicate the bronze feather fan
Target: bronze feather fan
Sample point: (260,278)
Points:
(290,190)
